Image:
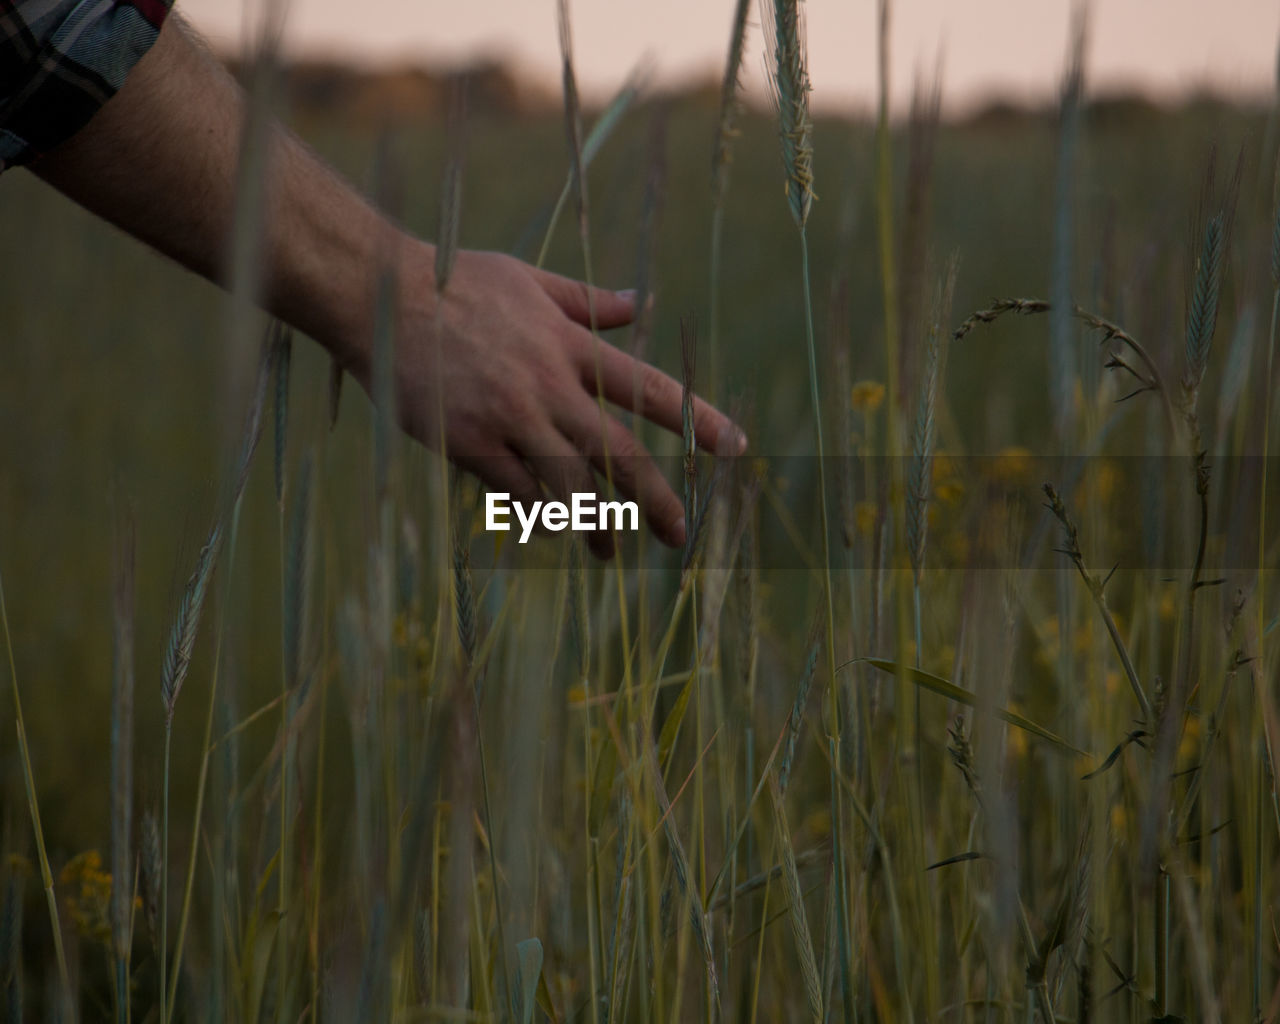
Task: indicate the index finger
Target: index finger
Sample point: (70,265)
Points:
(650,393)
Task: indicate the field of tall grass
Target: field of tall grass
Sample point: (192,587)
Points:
(959,704)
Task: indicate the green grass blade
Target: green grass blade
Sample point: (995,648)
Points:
(945,688)
(528,973)
(591,145)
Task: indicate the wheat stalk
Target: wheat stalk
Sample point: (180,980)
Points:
(680,867)
(177,661)
(796,719)
(282,358)
(795,908)
(789,87)
(688,367)
(122,680)
(33,806)
(924,431)
(1202,319)
(721,157)
(1096,586)
(451,193)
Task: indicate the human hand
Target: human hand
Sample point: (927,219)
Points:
(504,377)
(507,367)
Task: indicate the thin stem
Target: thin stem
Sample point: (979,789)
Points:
(121,991)
(164,876)
(593,868)
(207,747)
(826,537)
(1258,907)
(1096,588)
(1266,449)
(28,778)
(915,593)
(822,487)
(317,884)
(1262,660)
(713,346)
(493,856)
(282,902)
(1162,942)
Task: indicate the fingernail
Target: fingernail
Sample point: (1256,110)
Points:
(732,441)
(627,294)
(675,530)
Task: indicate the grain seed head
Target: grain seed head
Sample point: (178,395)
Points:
(789,85)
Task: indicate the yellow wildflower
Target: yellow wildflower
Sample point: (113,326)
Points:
(88,904)
(867,396)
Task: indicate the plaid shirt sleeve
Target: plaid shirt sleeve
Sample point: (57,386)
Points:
(60,61)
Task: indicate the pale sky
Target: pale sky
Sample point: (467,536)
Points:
(988,46)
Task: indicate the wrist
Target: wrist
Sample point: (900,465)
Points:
(393,278)
(326,266)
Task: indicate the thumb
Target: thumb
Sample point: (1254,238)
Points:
(612,309)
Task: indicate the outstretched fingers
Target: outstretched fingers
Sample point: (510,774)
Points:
(612,309)
(616,453)
(503,471)
(565,471)
(648,392)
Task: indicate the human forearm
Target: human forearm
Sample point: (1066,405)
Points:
(160,161)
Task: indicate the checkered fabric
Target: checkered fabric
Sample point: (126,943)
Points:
(60,61)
